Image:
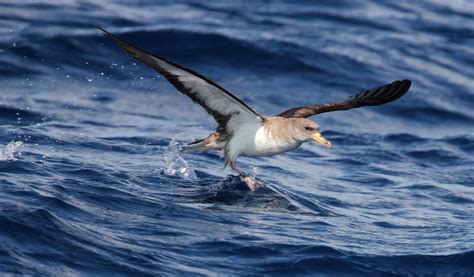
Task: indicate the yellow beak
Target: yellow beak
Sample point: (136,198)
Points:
(317,137)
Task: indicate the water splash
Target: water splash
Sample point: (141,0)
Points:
(255,171)
(11,151)
(175,165)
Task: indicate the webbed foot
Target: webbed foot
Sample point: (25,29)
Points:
(249,180)
(251,183)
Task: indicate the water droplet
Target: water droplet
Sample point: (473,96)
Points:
(11,151)
(175,165)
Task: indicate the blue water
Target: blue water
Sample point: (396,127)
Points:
(92,181)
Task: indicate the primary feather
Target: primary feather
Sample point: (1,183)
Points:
(373,97)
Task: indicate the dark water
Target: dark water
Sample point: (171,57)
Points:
(91,181)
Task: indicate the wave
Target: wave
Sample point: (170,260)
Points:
(90,185)
(20,117)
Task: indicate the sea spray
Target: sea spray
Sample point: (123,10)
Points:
(175,164)
(11,151)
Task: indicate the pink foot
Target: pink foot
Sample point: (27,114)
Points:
(250,182)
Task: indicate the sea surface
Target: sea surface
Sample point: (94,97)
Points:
(92,180)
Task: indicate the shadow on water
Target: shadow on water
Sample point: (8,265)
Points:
(232,191)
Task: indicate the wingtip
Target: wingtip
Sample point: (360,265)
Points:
(104,32)
(399,88)
(111,36)
(407,82)
(402,87)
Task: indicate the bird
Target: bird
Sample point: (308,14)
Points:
(241,131)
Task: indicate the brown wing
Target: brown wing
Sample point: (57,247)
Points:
(376,96)
(218,102)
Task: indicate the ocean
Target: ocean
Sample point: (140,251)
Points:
(93,182)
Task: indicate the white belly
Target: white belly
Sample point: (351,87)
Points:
(256,141)
(265,145)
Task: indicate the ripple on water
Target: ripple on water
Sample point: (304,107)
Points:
(92,183)
(20,117)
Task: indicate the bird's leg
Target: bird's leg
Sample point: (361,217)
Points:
(249,181)
(236,169)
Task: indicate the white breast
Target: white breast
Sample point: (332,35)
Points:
(255,140)
(266,145)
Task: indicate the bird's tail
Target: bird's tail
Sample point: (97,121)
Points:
(211,142)
(195,145)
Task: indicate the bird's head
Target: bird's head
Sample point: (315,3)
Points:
(307,130)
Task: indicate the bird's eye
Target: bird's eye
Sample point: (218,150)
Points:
(308,128)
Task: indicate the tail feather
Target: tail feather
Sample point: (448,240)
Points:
(214,141)
(196,145)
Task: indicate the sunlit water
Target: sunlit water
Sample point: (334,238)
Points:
(92,179)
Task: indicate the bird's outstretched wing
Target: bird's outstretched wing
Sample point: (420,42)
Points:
(221,104)
(373,97)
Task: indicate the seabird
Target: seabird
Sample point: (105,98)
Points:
(241,131)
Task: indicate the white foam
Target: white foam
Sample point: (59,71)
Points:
(11,151)
(175,165)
